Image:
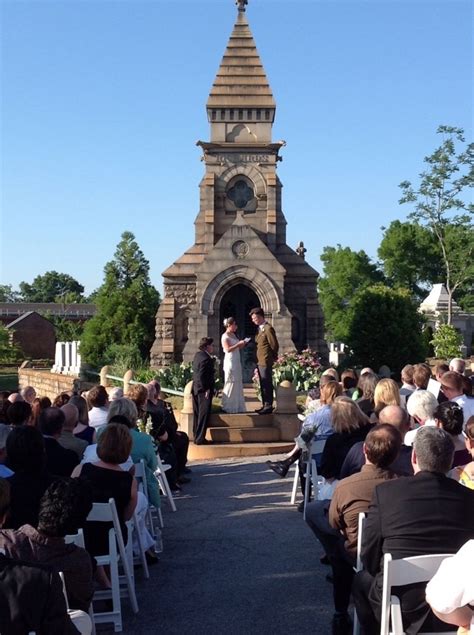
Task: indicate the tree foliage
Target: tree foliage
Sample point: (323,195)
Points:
(345,273)
(7,294)
(126,306)
(9,352)
(385,328)
(52,287)
(411,257)
(440,203)
(446,342)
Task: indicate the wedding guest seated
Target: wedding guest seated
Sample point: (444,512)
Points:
(464,474)
(64,508)
(67,439)
(452,386)
(138,393)
(450,592)
(166,451)
(338,531)
(14,397)
(115,393)
(427,513)
(350,426)
(59,461)
(4,432)
(27,458)
(82,430)
(317,423)
(386,394)
(366,388)
(142,444)
(108,480)
(399,419)
(457,365)
(99,401)
(421,376)
(19,413)
(4,405)
(39,404)
(449,416)
(407,381)
(421,407)
(31,596)
(348,382)
(28,393)
(61,400)
(178,438)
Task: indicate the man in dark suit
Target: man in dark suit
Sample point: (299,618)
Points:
(267,353)
(427,513)
(203,388)
(59,461)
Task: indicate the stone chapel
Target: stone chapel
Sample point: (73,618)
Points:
(239,259)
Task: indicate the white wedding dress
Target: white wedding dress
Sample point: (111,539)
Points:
(233,391)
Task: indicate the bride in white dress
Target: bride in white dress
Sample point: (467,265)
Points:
(233,391)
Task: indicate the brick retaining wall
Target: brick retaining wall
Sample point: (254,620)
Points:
(48,384)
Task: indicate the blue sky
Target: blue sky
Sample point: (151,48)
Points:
(102,103)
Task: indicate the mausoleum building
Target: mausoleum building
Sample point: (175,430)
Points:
(240,258)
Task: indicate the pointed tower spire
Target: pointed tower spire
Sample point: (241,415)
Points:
(241,91)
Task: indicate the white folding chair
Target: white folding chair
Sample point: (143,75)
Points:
(140,475)
(78,540)
(311,474)
(358,567)
(107,512)
(399,573)
(317,446)
(163,481)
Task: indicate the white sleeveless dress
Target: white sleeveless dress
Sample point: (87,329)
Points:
(233,391)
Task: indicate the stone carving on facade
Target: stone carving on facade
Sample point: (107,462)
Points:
(184,294)
(240,249)
(301,249)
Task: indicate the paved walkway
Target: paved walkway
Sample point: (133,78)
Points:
(238,559)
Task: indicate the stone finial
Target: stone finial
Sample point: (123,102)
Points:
(241,4)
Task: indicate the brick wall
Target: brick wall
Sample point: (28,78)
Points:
(48,384)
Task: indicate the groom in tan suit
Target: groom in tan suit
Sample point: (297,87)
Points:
(267,353)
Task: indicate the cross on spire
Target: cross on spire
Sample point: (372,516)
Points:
(241,4)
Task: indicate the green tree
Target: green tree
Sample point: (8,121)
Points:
(385,328)
(7,294)
(446,342)
(126,306)
(411,257)
(440,203)
(345,273)
(52,287)
(9,352)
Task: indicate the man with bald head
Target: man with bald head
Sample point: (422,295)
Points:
(67,438)
(457,365)
(398,418)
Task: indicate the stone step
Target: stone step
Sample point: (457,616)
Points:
(241,420)
(243,435)
(229,450)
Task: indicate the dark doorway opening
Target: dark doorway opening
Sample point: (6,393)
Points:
(237,303)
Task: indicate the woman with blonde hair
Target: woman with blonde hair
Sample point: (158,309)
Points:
(386,393)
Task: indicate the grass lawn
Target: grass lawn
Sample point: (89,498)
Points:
(8,378)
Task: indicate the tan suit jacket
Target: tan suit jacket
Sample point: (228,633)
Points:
(267,345)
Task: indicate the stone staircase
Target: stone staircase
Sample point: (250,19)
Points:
(243,434)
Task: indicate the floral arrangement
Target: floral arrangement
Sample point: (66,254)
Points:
(144,427)
(302,369)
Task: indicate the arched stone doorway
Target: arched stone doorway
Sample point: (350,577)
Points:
(237,302)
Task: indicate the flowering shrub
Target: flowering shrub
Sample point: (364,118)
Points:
(175,376)
(302,369)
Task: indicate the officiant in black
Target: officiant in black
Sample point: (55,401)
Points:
(203,388)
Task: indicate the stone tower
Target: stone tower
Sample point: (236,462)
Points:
(240,258)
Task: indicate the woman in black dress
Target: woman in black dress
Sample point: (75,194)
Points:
(108,480)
